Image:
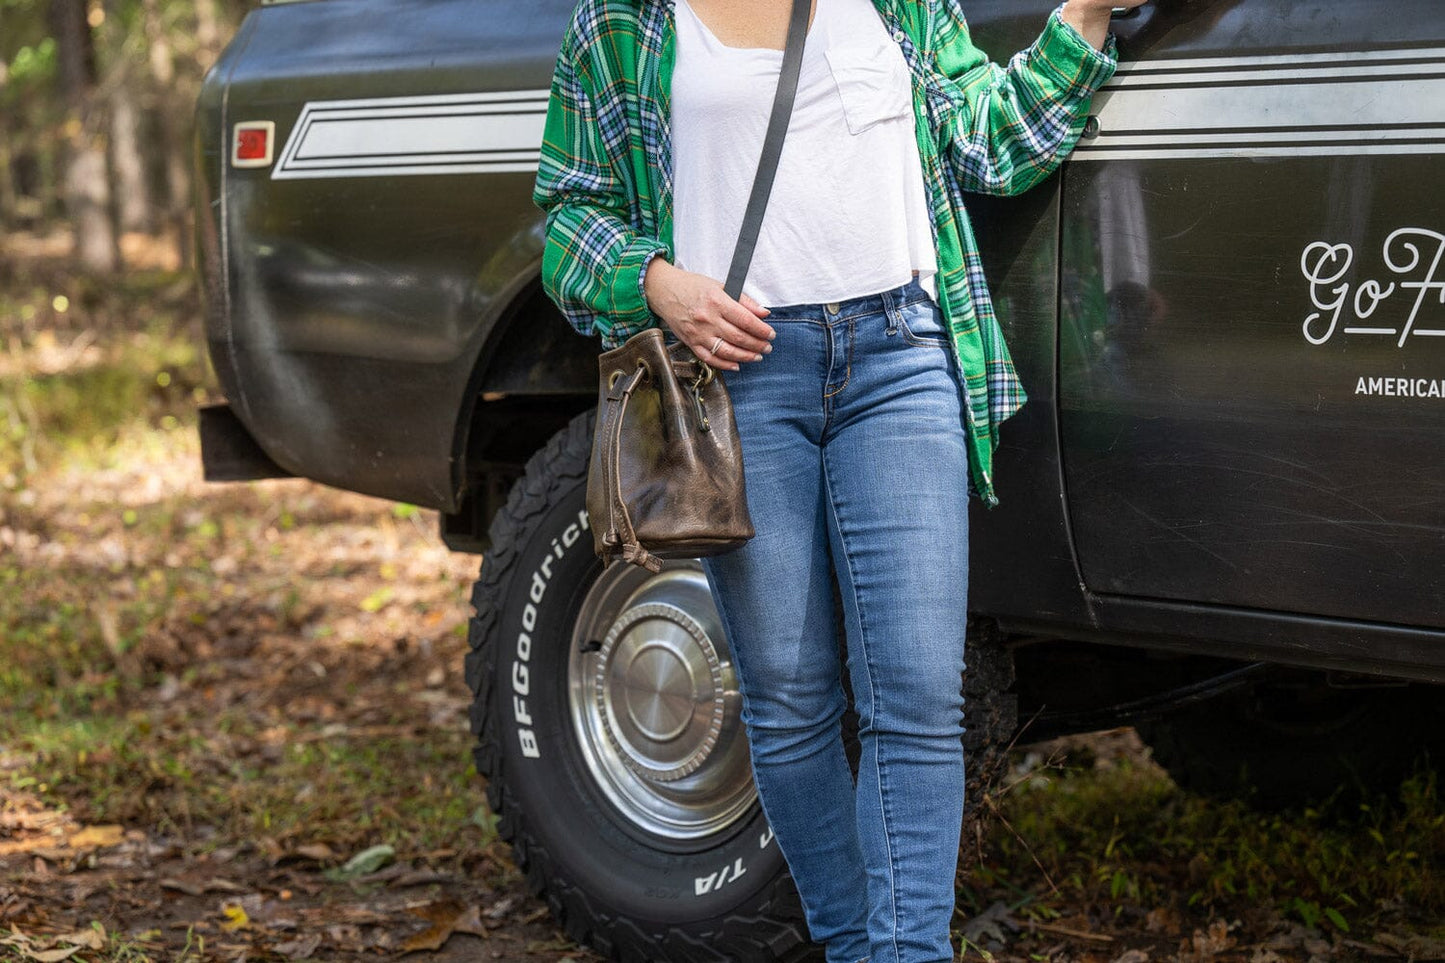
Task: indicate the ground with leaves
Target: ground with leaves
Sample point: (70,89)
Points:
(234,722)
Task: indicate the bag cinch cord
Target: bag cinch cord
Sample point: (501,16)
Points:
(620,540)
(621,536)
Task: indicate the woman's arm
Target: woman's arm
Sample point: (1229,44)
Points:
(593,259)
(1009,128)
(1091,18)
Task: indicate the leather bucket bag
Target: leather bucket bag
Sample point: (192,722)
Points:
(666,475)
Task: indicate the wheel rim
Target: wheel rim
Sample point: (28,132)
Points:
(655,704)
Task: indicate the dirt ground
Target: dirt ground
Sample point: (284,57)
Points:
(165,888)
(233,725)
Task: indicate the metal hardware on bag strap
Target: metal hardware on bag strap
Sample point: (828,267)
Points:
(696,388)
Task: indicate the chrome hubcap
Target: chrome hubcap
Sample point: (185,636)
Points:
(655,702)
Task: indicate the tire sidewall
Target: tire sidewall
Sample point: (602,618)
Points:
(622,869)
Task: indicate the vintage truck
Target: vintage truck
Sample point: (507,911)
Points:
(1223,510)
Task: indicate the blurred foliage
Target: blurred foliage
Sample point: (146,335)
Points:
(127,96)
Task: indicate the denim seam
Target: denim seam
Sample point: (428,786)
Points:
(847,364)
(873,691)
(866,307)
(918,339)
(726,621)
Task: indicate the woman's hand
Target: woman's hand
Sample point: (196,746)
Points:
(1091,17)
(699,311)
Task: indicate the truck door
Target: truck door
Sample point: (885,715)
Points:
(1252,353)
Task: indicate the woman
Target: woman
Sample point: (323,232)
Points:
(866,367)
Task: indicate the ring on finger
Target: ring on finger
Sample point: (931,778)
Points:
(716,344)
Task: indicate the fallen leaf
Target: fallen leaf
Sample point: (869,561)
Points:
(236,918)
(1413,945)
(990,925)
(1164,919)
(181,886)
(470,922)
(320,852)
(366,861)
(443,917)
(1132,956)
(1214,941)
(43,845)
(502,908)
(94,837)
(51,956)
(93,938)
(299,949)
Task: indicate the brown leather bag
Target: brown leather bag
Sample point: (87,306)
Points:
(666,475)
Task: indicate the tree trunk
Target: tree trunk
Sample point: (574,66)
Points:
(134,205)
(7,161)
(178,171)
(208,33)
(85,183)
(8,213)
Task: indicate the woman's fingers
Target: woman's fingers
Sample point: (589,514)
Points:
(705,353)
(753,306)
(747,344)
(747,315)
(710,319)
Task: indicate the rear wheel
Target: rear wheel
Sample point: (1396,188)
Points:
(607,715)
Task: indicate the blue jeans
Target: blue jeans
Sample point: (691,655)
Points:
(854,450)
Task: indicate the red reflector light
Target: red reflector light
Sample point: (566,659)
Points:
(252,144)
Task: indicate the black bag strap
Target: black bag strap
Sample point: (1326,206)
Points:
(772,148)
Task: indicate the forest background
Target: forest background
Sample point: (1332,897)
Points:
(95,104)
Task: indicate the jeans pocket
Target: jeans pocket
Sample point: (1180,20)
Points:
(922,323)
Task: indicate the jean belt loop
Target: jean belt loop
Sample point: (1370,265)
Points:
(892,302)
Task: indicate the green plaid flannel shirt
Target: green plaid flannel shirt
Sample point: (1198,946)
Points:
(605,177)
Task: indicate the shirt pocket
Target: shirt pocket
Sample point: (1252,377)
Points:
(873,83)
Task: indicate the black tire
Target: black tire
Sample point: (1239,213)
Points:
(1282,746)
(613,885)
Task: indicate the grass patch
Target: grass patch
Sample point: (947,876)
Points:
(98,405)
(87,365)
(1123,841)
(227,781)
(258,665)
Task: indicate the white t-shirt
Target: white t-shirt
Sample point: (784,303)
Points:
(848,213)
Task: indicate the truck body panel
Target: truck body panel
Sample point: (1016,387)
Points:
(1251,269)
(1193,471)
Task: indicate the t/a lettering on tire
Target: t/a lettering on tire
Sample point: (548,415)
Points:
(607,720)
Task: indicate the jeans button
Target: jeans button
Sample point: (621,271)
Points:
(832,307)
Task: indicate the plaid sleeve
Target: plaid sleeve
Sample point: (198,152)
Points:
(1009,128)
(593,260)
